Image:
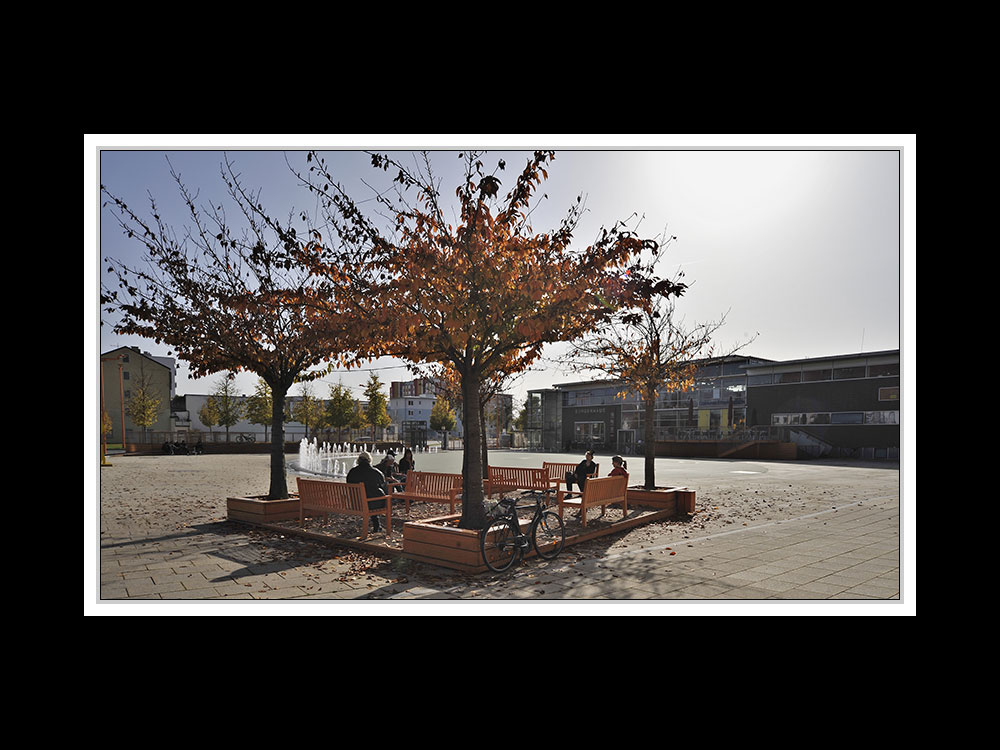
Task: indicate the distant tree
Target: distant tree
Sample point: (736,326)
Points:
(309,410)
(649,352)
(376,412)
(442,418)
(143,404)
(339,409)
(260,406)
(228,403)
(208,414)
(520,421)
(359,420)
(223,296)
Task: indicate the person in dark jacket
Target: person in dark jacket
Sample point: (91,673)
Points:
(584,469)
(406,462)
(374,481)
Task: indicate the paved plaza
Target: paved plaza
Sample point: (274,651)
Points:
(767,537)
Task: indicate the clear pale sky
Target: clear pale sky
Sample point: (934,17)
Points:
(808,241)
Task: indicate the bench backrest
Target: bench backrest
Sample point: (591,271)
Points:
(432,484)
(519,476)
(604,489)
(317,493)
(558,471)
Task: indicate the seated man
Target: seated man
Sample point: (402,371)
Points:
(374,481)
(389,469)
(584,469)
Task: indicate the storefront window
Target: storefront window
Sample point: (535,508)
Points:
(589,432)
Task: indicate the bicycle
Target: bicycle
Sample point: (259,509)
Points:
(246,437)
(502,543)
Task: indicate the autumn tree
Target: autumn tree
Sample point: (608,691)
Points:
(222,295)
(339,409)
(359,420)
(259,406)
(482,293)
(649,352)
(309,410)
(208,415)
(442,418)
(228,404)
(143,405)
(376,413)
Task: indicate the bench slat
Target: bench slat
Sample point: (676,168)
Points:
(431,487)
(596,492)
(340,497)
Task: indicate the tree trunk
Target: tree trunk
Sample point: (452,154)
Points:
(279,483)
(649,447)
(482,439)
(473,514)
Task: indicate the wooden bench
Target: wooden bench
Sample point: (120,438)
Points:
(506,478)
(604,491)
(430,487)
(557,472)
(340,497)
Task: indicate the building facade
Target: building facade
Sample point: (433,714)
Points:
(843,406)
(411,414)
(609,416)
(123,372)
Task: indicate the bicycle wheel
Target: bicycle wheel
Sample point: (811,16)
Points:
(499,545)
(548,535)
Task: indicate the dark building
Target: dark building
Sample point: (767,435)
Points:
(608,416)
(841,406)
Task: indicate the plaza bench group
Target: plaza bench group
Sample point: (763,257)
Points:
(326,497)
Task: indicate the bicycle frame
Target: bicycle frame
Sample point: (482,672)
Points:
(514,547)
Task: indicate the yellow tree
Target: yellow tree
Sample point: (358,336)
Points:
(649,352)
(143,406)
(482,296)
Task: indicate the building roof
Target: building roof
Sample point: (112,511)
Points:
(700,362)
(830,358)
(132,350)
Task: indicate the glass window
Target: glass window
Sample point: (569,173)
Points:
(881,371)
(845,373)
(788,377)
(759,379)
(847,417)
(888,394)
(584,431)
(811,376)
(881,417)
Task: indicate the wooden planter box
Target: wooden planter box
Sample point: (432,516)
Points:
(261,510)
(677,500)
(440,542)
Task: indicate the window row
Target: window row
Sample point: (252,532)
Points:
(828,373)
(837,417)
(703,391)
